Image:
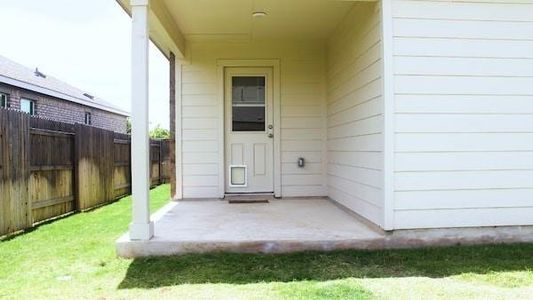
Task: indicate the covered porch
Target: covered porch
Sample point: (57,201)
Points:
(313,119)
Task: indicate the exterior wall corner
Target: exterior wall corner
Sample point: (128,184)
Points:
(388,113)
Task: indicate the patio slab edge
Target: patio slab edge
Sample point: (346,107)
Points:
(397,240)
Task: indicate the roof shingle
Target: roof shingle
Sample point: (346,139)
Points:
(18,75)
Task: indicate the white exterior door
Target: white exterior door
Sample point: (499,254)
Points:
(249,130)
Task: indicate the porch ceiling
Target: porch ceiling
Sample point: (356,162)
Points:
(304,19)
(174,22)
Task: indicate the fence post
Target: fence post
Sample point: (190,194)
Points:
(25,130)
(160,162)
(75,167)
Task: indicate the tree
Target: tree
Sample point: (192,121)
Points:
(128,126)
(159,133)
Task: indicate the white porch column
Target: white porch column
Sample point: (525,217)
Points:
(141,228)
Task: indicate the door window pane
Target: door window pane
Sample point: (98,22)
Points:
(248,103)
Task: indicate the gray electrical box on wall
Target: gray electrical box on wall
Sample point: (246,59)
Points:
(301,162)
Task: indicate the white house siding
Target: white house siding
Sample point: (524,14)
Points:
(302,113)
(463,113)
(355,113)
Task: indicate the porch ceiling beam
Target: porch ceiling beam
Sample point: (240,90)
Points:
(163,28)
(164,32)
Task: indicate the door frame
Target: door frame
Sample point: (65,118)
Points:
(222,64)
(231,136)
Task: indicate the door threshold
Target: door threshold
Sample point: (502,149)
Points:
(249,198)
(257,201)
(248,194)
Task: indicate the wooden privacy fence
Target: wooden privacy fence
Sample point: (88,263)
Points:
(49,168)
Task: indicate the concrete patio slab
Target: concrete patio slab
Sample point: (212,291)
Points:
(278,226)
(287,225)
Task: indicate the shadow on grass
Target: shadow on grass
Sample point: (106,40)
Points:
(321,266)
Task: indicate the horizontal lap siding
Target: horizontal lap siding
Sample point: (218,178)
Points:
(302,114)
(200,130)
(302,126)
(463,113)
(355,113)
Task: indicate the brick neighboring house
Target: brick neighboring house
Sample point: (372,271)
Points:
(42,95)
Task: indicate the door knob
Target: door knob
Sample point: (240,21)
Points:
(270,135)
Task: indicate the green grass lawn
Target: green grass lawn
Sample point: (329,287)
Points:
(74,257)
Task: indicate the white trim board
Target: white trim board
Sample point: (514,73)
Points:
(387,53)
(178,151)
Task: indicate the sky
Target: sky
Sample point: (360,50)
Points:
(83,43)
